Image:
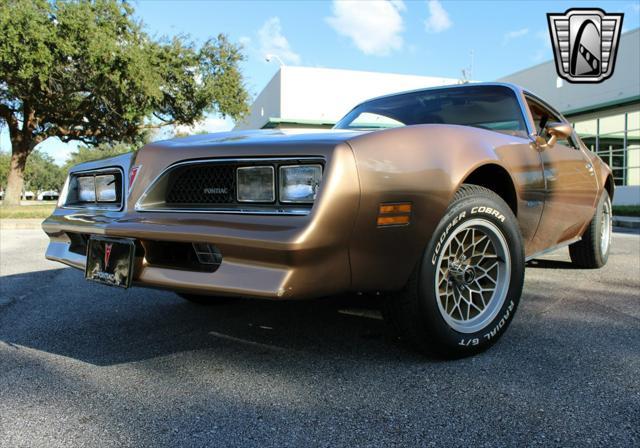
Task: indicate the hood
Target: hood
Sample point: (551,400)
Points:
(260,137)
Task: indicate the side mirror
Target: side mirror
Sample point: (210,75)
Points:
(558,130)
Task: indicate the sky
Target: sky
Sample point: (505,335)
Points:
(419,37)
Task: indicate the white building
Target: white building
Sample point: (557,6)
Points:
(309,97)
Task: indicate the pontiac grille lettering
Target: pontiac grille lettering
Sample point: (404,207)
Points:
(215,190)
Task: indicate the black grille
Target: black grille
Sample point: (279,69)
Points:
(202,184)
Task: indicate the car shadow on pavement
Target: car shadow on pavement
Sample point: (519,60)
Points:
(58,312)
(539,263)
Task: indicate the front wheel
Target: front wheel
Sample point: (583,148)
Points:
(464,293)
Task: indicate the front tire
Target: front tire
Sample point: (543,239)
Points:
(592,251)
(466,289)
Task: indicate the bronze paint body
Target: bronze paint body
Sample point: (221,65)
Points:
(338,246)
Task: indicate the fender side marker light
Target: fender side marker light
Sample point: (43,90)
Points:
(394,214)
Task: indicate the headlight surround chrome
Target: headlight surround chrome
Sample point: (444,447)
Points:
(101,188)
(255,184)
(299,183)
(62,198)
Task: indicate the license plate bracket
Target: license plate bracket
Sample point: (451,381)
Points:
(110,261)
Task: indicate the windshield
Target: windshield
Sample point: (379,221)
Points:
(488,107)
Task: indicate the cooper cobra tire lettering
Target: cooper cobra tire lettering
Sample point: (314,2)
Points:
(444,234)
(489,211)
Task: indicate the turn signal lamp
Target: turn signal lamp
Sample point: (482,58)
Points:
(397,214)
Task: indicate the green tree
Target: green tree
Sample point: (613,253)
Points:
(5,161)
(86,70)
(41,173)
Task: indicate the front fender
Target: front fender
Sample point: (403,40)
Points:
(424,165)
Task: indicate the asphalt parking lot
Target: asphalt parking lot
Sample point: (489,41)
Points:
(84,364)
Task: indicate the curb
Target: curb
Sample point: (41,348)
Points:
(628,222)
(21,224)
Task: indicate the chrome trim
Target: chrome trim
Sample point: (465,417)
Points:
(238,211)
(273,183)
(553,248)
(110,169)
(231,211)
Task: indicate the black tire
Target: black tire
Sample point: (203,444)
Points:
(590,252)
(203,300)
(417,314)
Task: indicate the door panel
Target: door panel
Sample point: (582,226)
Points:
(571,189)
(570,184)
(525,166)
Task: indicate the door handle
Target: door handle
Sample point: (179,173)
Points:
(589,168)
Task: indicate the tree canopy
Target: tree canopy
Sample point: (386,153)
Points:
(87,70)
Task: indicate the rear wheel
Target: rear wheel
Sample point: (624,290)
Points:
(205,300)
(464,293)
(592,251)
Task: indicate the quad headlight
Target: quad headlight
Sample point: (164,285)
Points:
(106,188)
(92,188)
(296,183)
(299,183)
(256,184)
(86,189)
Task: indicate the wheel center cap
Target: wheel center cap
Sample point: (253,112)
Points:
(462,274)
(469,275)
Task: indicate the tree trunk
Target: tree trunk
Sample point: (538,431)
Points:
(19,153)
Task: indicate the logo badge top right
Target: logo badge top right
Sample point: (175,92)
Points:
(585,43)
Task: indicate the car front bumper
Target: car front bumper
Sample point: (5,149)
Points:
(274,257)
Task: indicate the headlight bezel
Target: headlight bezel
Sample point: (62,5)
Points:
(70,197)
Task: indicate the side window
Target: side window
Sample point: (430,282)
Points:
(541,116)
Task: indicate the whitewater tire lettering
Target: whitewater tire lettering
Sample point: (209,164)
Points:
(489,211)
(468,342)
(501,323)
(444,234)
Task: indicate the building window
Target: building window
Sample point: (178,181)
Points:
(616,139)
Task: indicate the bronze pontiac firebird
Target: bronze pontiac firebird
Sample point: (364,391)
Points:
(433,198)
